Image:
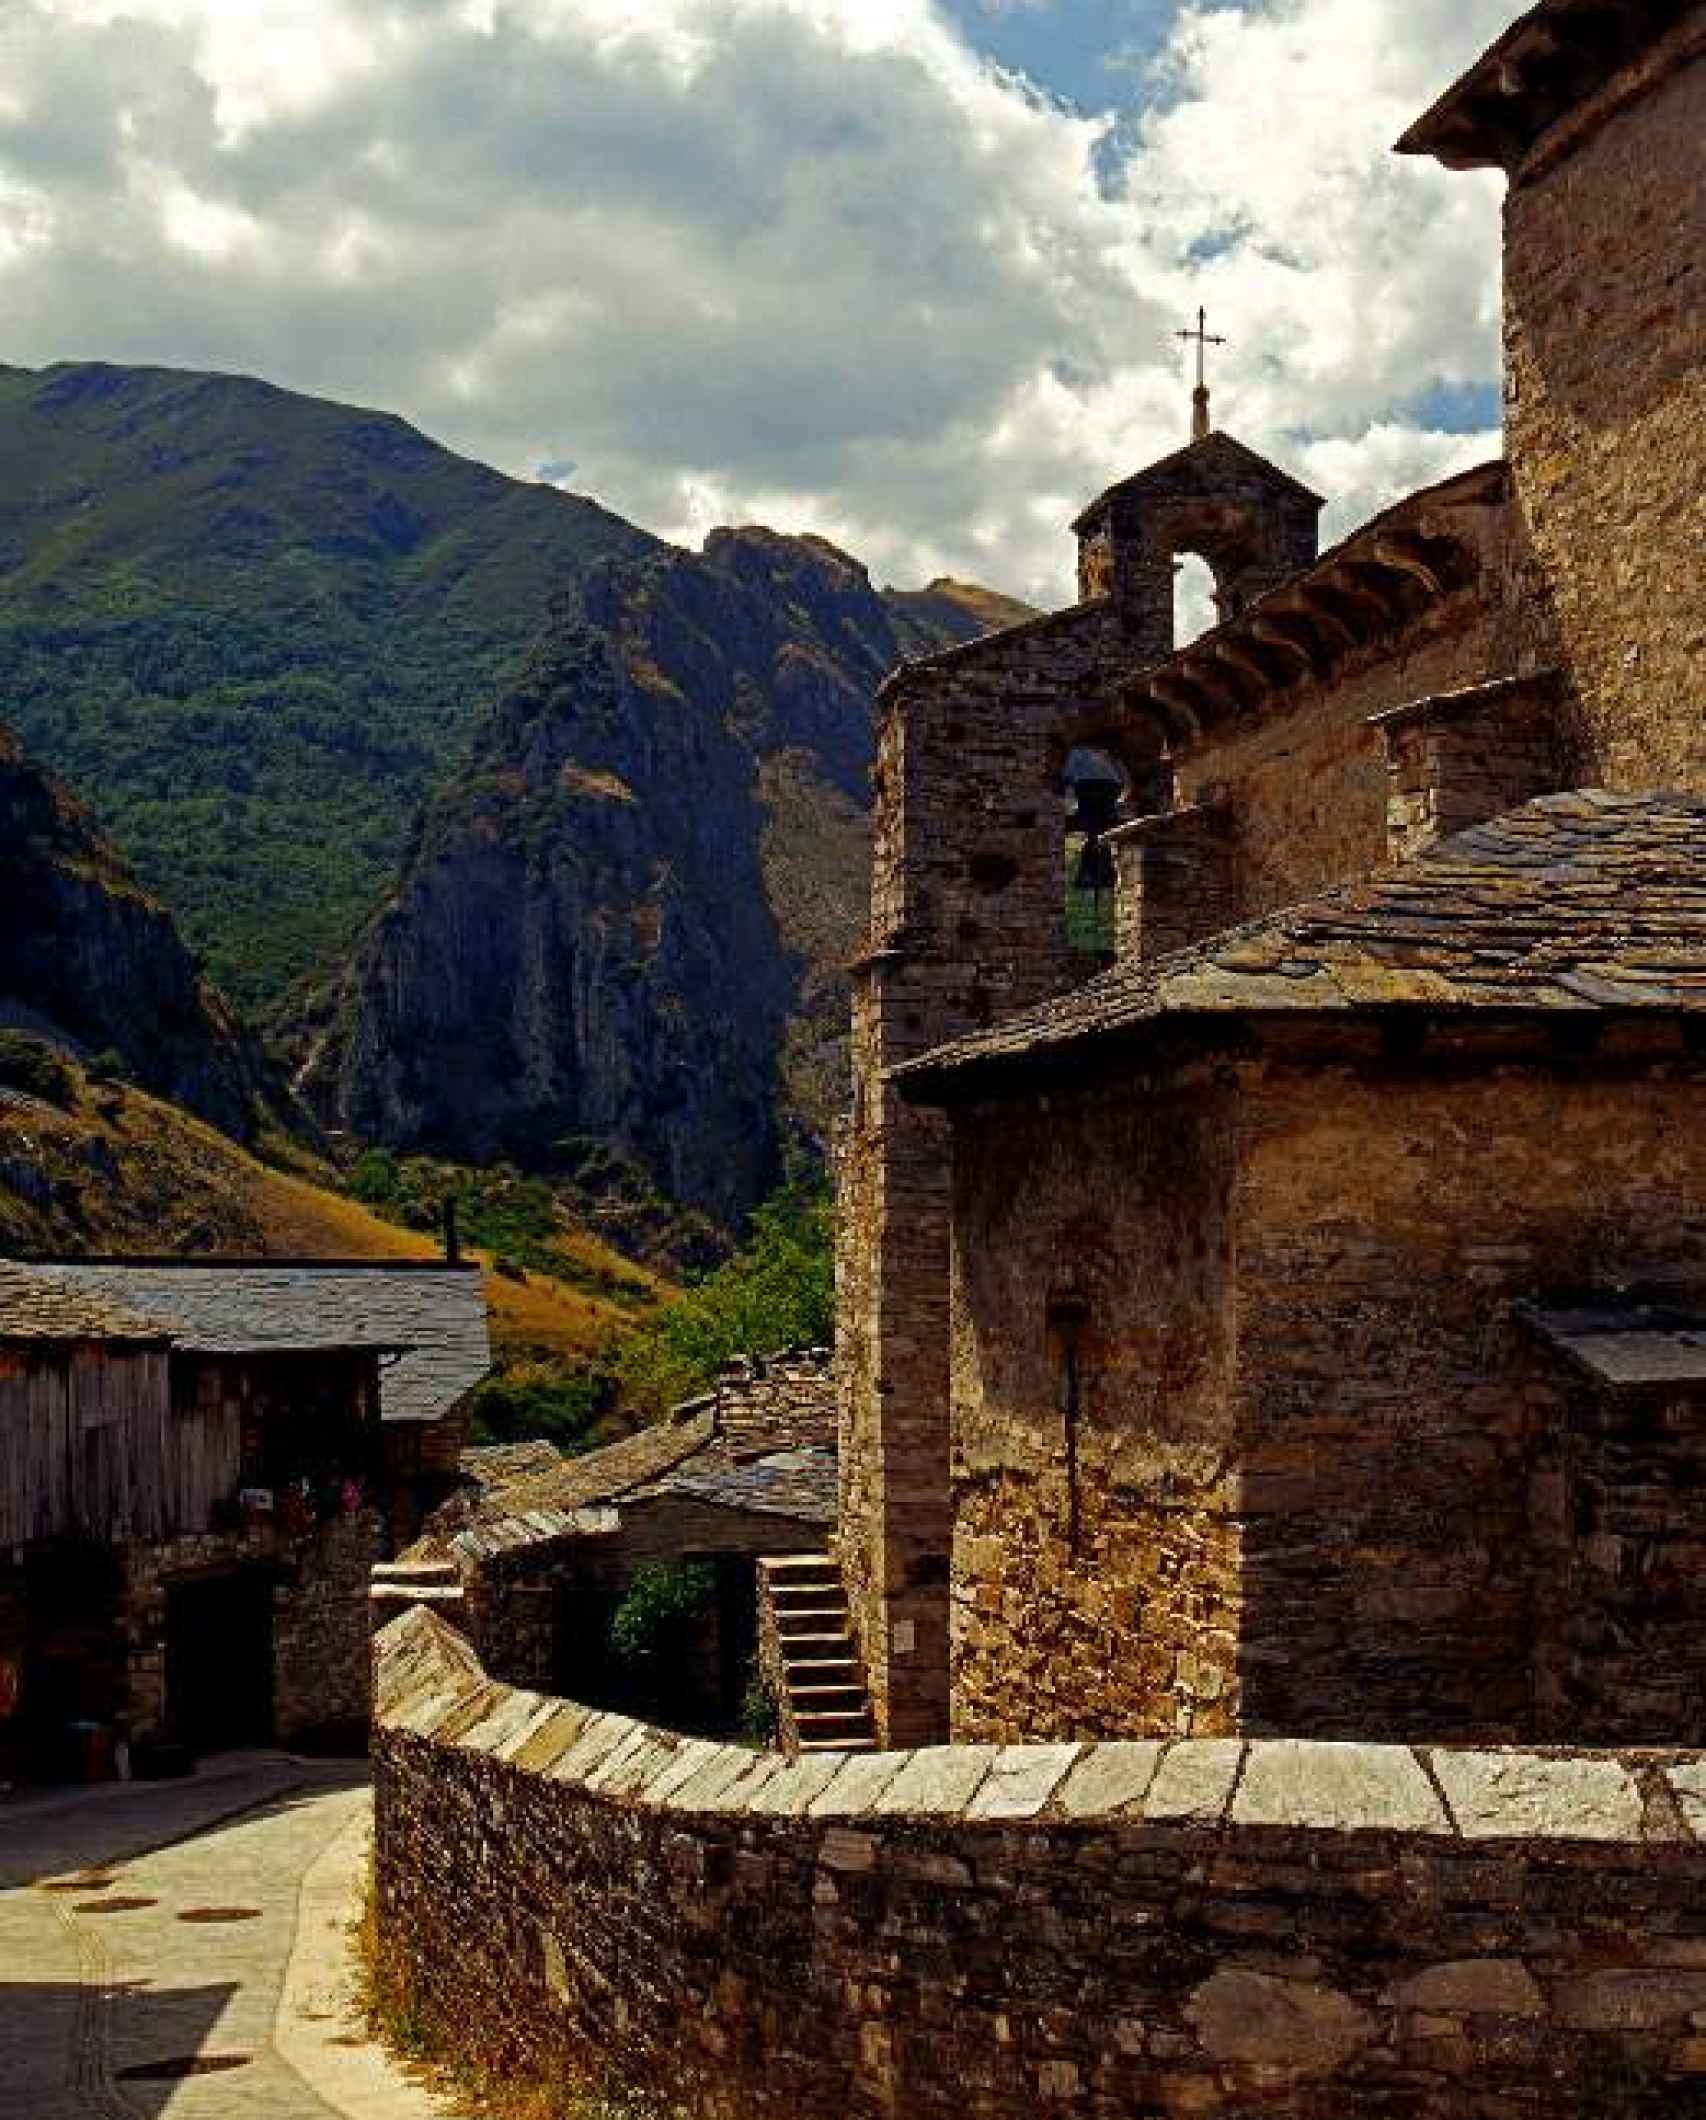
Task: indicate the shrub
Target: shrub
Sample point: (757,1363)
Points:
(659,1610)
(537,1399)
(777,1291)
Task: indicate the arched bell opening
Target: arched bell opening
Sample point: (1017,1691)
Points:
(1098,793)
(1196,598)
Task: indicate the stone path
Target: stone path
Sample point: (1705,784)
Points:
(179,1952)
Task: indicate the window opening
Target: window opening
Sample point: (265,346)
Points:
(1096,792)
(1195,598)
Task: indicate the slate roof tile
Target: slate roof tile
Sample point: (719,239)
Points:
(434,1314)
(1583,901)
(37,1306)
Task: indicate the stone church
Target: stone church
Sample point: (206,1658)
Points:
(1290,1314)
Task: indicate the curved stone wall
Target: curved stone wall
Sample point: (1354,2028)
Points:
(1214,1927)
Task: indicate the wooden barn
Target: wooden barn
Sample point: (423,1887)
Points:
(198,1467)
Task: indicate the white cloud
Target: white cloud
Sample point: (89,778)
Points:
(799,260)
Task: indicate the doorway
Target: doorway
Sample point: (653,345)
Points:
(219,1660)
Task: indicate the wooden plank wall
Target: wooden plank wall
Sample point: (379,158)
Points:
(90,1446)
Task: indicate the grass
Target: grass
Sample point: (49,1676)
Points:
(119,1170)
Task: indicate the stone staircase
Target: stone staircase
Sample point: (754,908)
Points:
(393,1586)
(823,1704)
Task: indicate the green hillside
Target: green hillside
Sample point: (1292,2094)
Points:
(253,629)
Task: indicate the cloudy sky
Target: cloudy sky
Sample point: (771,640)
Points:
(905,272)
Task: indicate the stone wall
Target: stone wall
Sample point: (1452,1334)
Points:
(1315,1478)
(1208,1928)
(1093,1337)
(1605,387)
(1303,787)
(321,1629)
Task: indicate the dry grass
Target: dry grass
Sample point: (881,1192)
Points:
(397,2018)
(146,1177)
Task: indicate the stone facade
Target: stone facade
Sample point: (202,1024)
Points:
(1248,1434)
(1605,405)
(318,1594)
(968,924)
(1517,630)
(1211,1928)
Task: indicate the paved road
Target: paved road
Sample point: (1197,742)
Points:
(140,1985)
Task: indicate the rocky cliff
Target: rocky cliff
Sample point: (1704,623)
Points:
(89,960)
(624,923)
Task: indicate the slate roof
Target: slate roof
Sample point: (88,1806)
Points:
(761,1443)
(800,1484)
(1573,903)
(1627,1347)
(1216,447)
(38,1306)
(436,1316)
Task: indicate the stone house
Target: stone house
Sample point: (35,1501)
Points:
(537,1550)
(1296,1323)
(199,1465)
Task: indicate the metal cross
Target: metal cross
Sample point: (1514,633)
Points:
(1204,340)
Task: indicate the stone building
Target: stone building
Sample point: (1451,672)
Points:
(536,1551)
(199,1465)
(1295,1324)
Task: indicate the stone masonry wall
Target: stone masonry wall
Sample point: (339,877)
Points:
(1304,788)
(1317,1466)
(1095,1548)
(1399,1442)
(1605,387)
(1135,1931)
(320,1619)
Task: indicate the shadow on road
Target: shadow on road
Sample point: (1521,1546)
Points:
(95,1830)
(143,2042)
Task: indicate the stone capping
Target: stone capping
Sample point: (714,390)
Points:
(1544,686)
(430,1686)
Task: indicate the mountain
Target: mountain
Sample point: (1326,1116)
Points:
(621,927)
(88,958)
(254,629)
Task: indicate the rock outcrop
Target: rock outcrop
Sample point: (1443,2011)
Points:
(625,920)
(90,961)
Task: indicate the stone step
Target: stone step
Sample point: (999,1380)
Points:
(812,1619)
(837,1744)
(828,1700)
(795,1564)
(789,1602)
(821,1647)
(822,1671)
(822,1723)
(414,1573)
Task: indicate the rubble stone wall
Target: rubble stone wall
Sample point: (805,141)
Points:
(1206,1928)
(1304,786)
(1320,1480)
(321,1627)
(1605,388)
